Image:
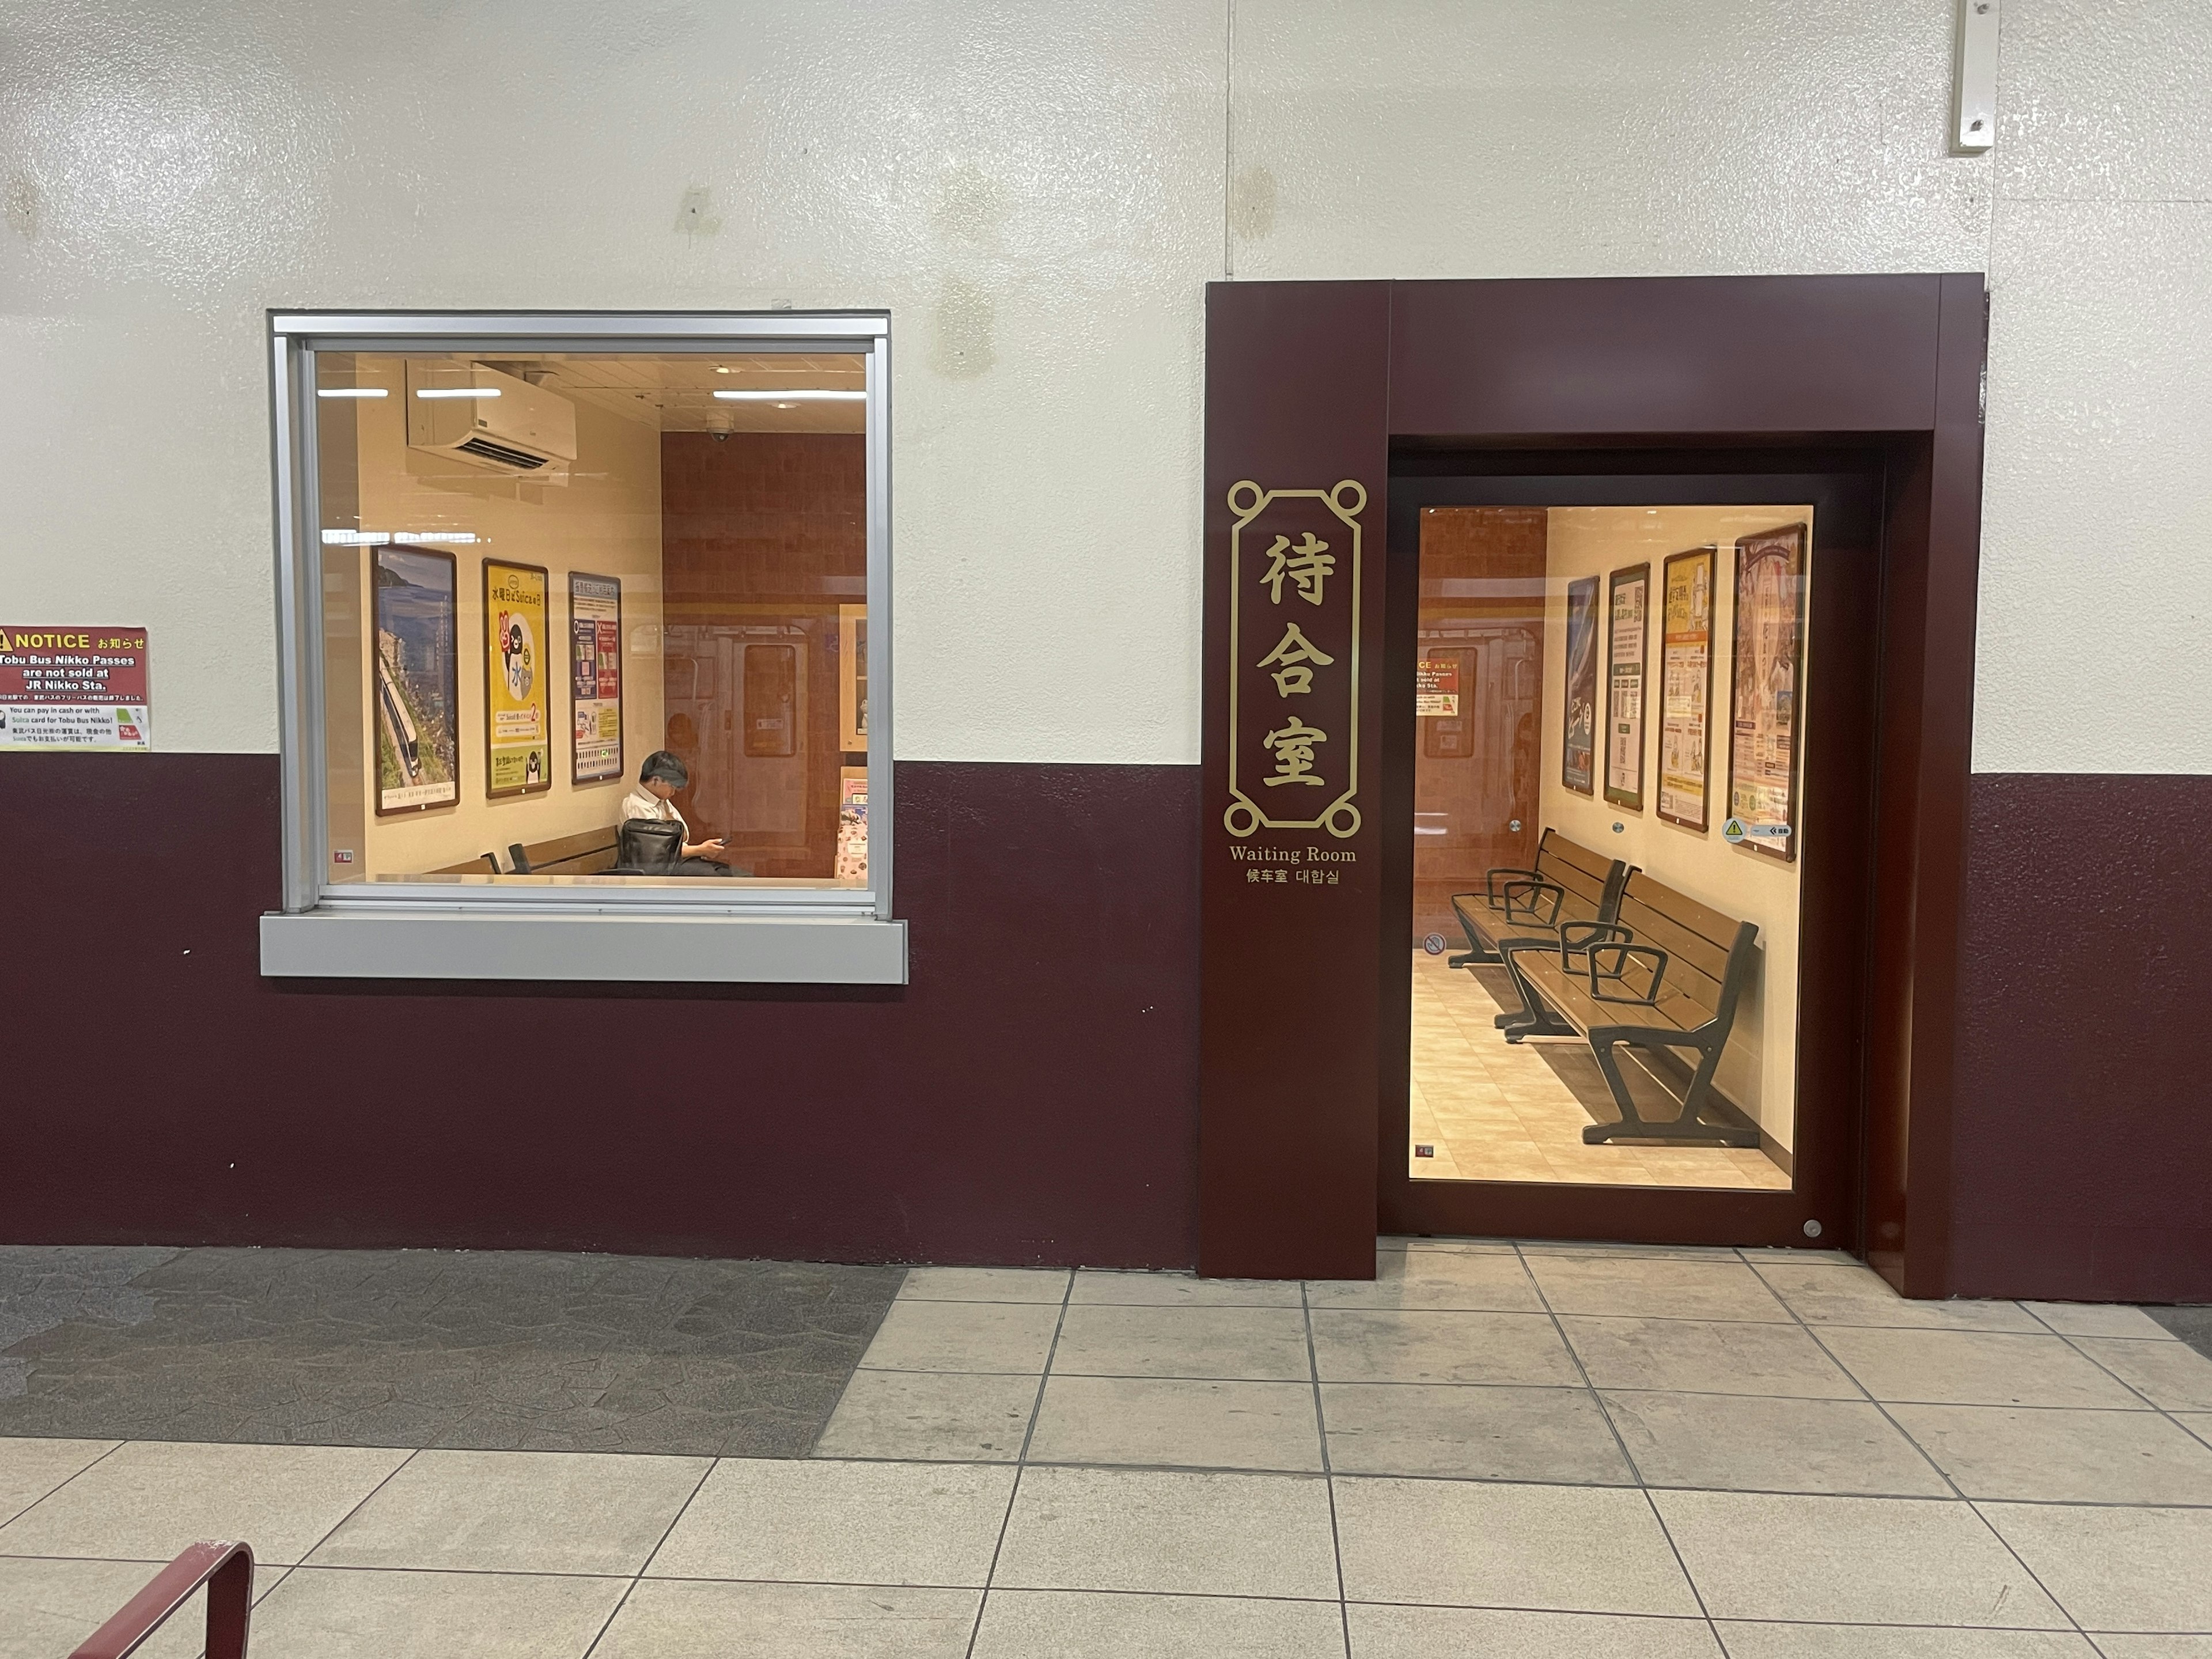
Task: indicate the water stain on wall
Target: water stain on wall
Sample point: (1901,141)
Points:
(962,344)
(1252,204)
(20,201)
(695,214)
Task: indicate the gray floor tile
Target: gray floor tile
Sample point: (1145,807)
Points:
(1139,1290)
(1973,1367)
(1460,1281)
(1850,1560)
(1092,1625)
(149,1499)
(1396,1346)
(1012,1337)
(1745,1444)
(2098,1319)
(820,1521)
(946,1416)
(1192,1424)
(673,1619)
(2170,1374)
(985,1285)
(1595,1247)
(1385,1632)
(2197,1423)
(30,1469)
(539,1512)
(1700,1356)
(1250,1344)
(1193,1534)
(1892,1642)
(1656,1287)
(2155,1647)
(2059,1456)
(338,1612)
(1479,1246)
(2117,1569)
(48,1606)
(1828,1293)
(1492,1433)
(1580,1549)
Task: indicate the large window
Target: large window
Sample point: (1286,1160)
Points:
(586,618)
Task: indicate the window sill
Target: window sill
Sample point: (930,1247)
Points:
(672,949)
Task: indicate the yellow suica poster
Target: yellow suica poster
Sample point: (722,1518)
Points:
(517,699)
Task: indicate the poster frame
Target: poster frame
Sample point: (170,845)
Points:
(1709,554)
(1632,801)
(576,776)
(1800,534)
(544,690)
(452,681)
(1583,591)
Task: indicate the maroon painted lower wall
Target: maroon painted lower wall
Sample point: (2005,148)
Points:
(2081,1146)
(1031,1096)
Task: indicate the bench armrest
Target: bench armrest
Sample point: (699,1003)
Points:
(1490,879)
(226,1570)
(1577,937)
(1618,955)
(1538,900)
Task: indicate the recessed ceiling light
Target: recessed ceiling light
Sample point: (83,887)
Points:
(787,406)
(778,396)
(351,392)
(719,369)
(457,392)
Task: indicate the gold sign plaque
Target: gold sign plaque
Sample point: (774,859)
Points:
(1294,659)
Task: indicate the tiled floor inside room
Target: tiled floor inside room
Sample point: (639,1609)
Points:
(1533,1450)
(1494,1111)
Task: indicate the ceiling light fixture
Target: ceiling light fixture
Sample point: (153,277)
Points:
(457,392)
(351,392)
(720,369)
(779,396)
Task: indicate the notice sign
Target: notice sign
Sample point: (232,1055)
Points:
(74,688)
(1436,689)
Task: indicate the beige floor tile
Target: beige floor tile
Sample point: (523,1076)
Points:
(1137,1290)
(1742,1444)
(48,1606)
(1703,1355)
(1461,1281)
(1250,1344)
(1972,1368)
(501,1512)
(2170,1375)
(1850,1560)
(2062,1456)
(1656,1287)
(820,1521)
(147,1499)
(2155,1647)
(1497,1433)
(338,1612)
(676,1619)
(1171,1532)
(1388,1633)
(30,1468)
(964,1336)
(1093,1624)
(1892,1642)
(1178,1423)
(1402,1346)
(1600,1246)
(939,1416)
(1582,1549)
(1832,1293)
(2197,1423)
(2117,1569)
(984,1284)
(2100,1319)
(1422,1241)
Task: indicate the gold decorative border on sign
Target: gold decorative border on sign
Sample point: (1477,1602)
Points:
(1348,500)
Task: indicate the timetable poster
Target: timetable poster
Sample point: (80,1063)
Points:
(517,699)
(1629,594)
(1769,643)
(418,679)
(1578,769)
(595,677)
(1686,687)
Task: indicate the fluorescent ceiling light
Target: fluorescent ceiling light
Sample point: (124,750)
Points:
(401,538)
(785,397)
(351,392)
(457,392)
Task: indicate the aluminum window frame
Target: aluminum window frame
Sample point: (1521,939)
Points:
(295,339)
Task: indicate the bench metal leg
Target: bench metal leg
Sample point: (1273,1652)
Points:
(1685,1129)
(1532,1018)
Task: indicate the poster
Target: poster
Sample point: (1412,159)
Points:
(1629,603)
(595,678)
(517,699)
(1579,765)
(1436,689)
(1763,710)
(1686,687)
(852,824)
(74,688)
(417,666)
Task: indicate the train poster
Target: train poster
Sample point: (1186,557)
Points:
(517,700)
(416,693)
(595,678)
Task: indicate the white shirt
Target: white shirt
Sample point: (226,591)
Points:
(642,803)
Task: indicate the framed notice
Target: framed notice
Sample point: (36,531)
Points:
(417,669)
(1763,703)
(74,688)
(852,824)
(1685,685)
(1628,595)
(1578,765)
(852,679)
(518,723)
(595,710)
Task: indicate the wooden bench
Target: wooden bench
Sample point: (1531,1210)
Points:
(483,864)
(1666,974)
(1570,890)
(588,853)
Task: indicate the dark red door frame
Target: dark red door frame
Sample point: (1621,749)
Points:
(1309,384)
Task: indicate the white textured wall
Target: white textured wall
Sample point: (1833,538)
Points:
(1038,191)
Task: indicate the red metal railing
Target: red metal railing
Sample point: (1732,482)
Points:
(226,1570)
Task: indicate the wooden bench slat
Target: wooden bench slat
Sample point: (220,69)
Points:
(1691,953)
(1586,860)
(1688,913)
(561,848)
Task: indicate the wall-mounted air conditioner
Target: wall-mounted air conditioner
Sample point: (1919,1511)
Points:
(486,419)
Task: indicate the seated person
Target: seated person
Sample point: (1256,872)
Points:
(658,781)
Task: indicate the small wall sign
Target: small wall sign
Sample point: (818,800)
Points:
(74,688)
